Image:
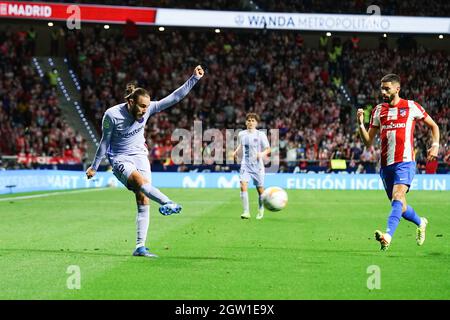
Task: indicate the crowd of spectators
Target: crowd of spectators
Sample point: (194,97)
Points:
(31,123)
(299,90)
(436,8)
(308,94)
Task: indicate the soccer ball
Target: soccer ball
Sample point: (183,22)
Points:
(274,198)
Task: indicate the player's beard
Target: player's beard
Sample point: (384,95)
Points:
(388,99)
(135,113)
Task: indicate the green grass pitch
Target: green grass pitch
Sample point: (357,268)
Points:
(320,247)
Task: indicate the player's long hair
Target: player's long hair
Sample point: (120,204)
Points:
(132,92)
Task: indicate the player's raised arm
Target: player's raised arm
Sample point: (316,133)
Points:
(366,136)
(107,128)
(177,95)
(434,150)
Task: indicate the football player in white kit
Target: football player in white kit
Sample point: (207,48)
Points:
(123,142)
(255,146)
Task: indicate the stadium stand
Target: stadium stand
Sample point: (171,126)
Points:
(30,117)
(294,88)
(309,93)
(387,7)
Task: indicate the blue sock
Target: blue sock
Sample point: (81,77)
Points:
(394,218)
(411,215)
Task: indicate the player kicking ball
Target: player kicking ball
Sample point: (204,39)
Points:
(395,119)
(123,142)
(254,146)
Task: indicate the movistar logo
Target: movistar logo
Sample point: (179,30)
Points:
(199,182)
(233,182)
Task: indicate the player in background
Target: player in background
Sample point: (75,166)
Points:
(123,142)
(395,119)
(255,146)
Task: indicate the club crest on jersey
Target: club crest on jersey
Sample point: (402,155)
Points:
(402,112)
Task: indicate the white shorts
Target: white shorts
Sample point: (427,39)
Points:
(123,166)
(256,175)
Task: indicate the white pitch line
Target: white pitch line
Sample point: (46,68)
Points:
(42,195)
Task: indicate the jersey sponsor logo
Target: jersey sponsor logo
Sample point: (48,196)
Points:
(131,133)
(393,126)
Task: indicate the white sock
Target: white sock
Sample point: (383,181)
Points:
(244,198)
(154,193)
(142,222)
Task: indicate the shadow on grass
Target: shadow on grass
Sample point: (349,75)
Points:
(93,252)
(89,252)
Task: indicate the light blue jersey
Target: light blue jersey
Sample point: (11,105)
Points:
(252,142)
(122,135)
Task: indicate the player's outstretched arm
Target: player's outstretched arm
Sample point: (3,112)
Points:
(107,127)
(177,95)
(366,136)
(434,150)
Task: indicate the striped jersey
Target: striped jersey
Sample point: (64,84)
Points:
(396,124)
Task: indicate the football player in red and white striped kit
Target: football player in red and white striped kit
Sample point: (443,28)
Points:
(394,119)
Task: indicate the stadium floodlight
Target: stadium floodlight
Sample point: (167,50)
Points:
(328,34)
(106,26)
(217,30)
(50,24)
(161,29)
(441,36)
(384,35)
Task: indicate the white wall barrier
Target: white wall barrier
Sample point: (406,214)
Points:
(15,181)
